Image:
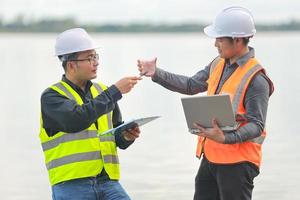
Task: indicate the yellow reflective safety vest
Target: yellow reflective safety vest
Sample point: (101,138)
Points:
(83,154)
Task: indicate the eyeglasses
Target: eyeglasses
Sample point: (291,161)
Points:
(92,58)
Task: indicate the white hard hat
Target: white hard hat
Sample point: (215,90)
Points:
(234,21)
(73,40)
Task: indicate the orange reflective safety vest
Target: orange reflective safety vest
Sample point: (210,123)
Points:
(236,86)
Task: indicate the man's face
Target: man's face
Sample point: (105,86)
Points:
(86,65)
(226,47)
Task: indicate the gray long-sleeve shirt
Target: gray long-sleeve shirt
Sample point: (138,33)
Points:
(255,102)
(62,114)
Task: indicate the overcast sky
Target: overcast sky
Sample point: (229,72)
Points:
(153,11)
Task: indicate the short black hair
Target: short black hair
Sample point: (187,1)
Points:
(245,40)
(67,57)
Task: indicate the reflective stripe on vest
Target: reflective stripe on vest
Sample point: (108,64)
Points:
(237,98)
(82,154)
(239,92)
(260,139)
(81,157)
(236,86)
(69,137)
(109,115)
(70,96)
(62,88)
(106,138)
(111,159)
(73,158)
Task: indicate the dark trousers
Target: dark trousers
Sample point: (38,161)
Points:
(225,182)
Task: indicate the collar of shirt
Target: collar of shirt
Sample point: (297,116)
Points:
(243,59)
(75,87)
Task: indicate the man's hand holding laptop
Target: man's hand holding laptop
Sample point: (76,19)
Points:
(214,133)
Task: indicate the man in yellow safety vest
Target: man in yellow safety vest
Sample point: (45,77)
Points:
(82,163)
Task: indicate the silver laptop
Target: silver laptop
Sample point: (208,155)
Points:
(202,109)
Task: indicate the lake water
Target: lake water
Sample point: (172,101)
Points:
(161,164)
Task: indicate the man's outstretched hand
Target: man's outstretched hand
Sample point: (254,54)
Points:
(147,67)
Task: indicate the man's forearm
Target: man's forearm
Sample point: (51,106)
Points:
(246,132)
(182,84)
(62,114)
(256,104)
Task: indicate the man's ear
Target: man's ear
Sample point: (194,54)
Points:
(70,66)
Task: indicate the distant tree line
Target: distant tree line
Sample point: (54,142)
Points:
(58,25)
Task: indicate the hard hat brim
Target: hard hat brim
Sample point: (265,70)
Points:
(76,51)
(210,32)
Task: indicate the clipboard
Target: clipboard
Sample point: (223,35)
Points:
(130,124)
